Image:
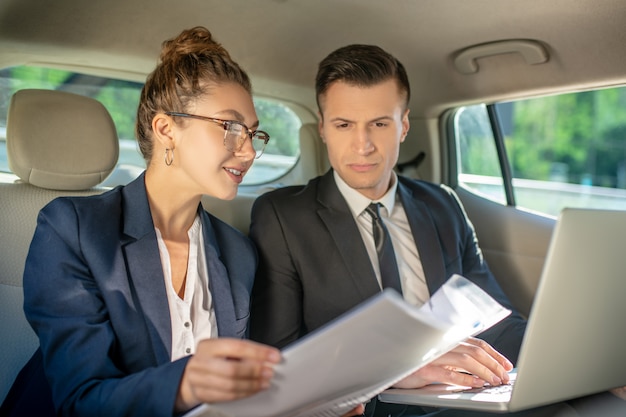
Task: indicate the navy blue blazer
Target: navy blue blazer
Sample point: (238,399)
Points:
(94,293)
(313,265)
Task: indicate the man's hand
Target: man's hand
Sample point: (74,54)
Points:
(225,370)
(473,363)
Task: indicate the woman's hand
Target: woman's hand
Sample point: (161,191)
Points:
(225,370)
(473,363)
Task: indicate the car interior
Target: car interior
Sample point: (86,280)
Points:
(519,106)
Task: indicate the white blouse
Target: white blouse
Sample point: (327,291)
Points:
(193,316)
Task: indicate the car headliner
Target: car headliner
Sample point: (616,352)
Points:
(280,42)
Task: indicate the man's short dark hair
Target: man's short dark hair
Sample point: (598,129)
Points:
(360,65)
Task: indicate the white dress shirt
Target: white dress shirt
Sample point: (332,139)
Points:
(412,279)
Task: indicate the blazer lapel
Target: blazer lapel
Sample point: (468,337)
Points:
(425,236)
(337,217)
(219,283)
(144,267)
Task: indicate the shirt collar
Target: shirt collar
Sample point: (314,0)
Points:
(358,202)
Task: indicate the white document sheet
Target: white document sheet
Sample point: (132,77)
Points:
(368,349)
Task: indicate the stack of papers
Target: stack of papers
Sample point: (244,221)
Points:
(355,357)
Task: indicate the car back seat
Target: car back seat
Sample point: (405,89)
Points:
(58,144)
(315,160)
(235,212)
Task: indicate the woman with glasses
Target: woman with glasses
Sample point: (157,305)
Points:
(129,291)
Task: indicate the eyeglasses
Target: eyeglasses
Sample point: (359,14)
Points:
(235,133)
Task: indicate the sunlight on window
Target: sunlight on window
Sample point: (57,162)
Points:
(565,151)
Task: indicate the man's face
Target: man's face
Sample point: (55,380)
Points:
(363,128)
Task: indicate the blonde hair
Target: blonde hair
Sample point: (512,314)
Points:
(189,65)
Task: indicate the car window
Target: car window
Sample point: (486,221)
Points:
(478,163)
(544,154)
(121,99)
(283,149)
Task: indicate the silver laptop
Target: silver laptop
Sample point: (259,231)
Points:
(575,341)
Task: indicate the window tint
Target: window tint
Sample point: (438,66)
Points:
(564,151)
(121,99)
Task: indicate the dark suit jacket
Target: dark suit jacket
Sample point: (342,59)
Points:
(313,265)
(94,293)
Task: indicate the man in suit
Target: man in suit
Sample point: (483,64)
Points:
(317,251)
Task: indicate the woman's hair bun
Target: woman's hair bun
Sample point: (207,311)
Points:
(197,41)
(189,66)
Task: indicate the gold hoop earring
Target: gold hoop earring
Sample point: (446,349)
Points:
(169,157)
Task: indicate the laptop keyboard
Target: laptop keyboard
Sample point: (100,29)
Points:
(500,389)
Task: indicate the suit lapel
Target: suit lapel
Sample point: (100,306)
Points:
(219,284)
(425,236)
(144,267)
(337,217)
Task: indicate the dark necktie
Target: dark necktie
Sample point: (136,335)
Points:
(389,274)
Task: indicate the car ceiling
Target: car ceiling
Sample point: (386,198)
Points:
(280,42)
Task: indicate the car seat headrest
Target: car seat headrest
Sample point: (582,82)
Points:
(59,140)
